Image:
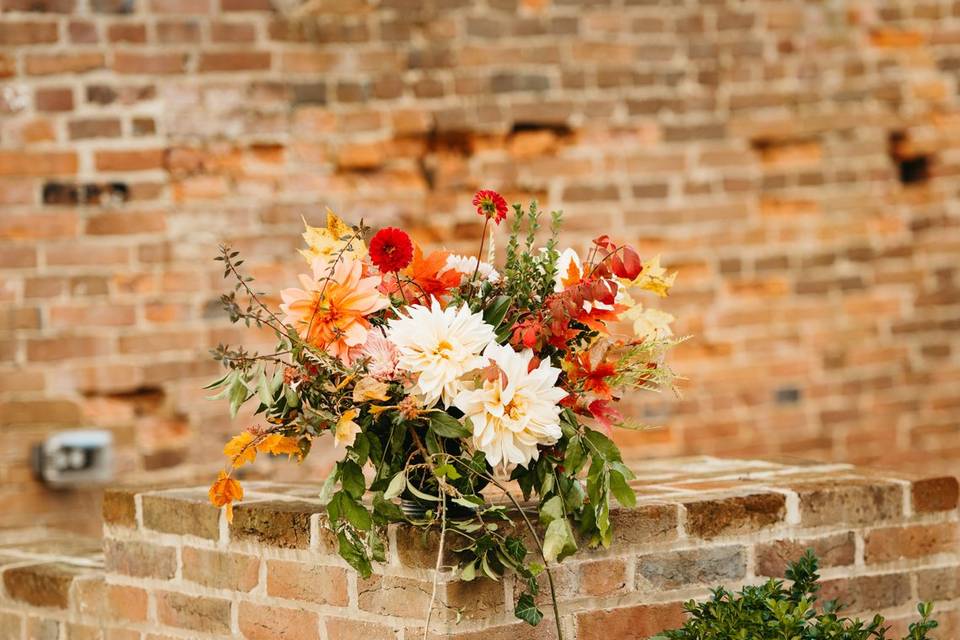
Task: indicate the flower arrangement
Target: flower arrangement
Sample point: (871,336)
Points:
(453,389)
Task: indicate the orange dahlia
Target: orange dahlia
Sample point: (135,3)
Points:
(329,311)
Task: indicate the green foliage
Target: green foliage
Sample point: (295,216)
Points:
(772,612)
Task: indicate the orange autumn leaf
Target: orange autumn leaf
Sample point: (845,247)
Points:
(240,449)
(224,492)
(278,444)
(428,281)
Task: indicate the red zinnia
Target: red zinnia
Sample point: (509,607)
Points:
(491,205)
(391,249)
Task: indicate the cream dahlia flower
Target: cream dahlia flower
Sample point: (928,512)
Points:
(466,265)
(516,411)
(439,346)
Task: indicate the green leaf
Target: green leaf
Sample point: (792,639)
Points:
(237,394)
(603,445)
(621,490)
(468,572)
(356,514)
(495,312)
(551,510)
(558,543)
(446,426)
(290,395)
(527,610)
(326,491)
(387,509)
(396,486)
(263,390)
(355,555)
(378,550)
(421,494)
(351,479)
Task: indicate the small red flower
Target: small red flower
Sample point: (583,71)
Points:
(491,205)
(391,249)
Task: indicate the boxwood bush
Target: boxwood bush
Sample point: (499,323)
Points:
(773,611)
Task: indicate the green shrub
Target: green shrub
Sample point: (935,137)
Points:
(774,612)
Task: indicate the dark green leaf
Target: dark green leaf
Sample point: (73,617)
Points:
(527,610)
(494,313)
(355,555)
(351,479)
(446,426)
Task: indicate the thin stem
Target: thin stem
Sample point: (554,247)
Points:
(536,539)
(436,569)
(483,237)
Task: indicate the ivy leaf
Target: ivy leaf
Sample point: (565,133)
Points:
(355,513)
(387,509)
(551,510)
(397,484)
(355,555)
(468,572)
(351,479)
(527,610)
(446,426)
(558,543)
(326,491)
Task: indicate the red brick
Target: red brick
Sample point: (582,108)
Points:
(94,128)
(234,61)
(224,31)
(638,621)
(935,494)
(197,613)
(129,160)
(53,99)
(739,514)
(37,163)
(39,226)
(126,223)
(893,543)
(348,629)
(62,63)
(148,63)
(258,622)
(309,583)
(126,603)
(17,33)
(233,571)
(182,7)
(127,32)
(140,559)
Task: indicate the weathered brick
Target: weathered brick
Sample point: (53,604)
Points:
(21,163)
(935,494)
(220,570)
(307,582)
(637,621)
(132,160)
(868,593)
(181,513)
(914,541)
(850,502)
(119,507)
(279,524)
(140,559)
(734,515)
(347,629)
(259,622)
(197,613)
(234,61)
(42,585)
(675,569)
(126,603)
(603,577)
(48,64)
(835,550)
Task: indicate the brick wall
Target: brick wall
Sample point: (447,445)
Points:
(173,568)
(797,163)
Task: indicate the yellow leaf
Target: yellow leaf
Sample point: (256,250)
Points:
(278,444)
(239,449)
(369,388)
(346,430)
(376,410)
(224,491)
(327,243)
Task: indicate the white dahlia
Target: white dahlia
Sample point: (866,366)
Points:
(516,411)
(439,346)
(466,265)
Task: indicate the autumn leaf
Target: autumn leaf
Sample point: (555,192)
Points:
(369,388)
(278,444)
(224,492)
(326,243)
(240,449)
(346,430)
